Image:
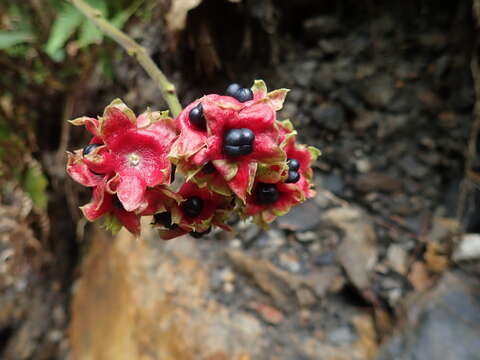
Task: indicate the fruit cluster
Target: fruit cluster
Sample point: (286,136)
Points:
(234,154)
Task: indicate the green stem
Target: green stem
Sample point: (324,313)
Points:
(133,49)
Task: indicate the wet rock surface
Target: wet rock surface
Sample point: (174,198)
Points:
(442,323)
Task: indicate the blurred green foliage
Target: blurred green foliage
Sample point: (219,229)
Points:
(45,46)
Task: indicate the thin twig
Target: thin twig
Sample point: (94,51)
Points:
(133,49)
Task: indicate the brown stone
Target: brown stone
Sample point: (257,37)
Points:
(140,299)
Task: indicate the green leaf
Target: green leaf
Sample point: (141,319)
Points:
(122,17)
(89,33)
(35,184)
(12,38)
(67,21)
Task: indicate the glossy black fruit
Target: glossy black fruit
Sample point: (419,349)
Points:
(232,89)
(193,206)
(89,148)
(293,164)
(237,142)
(165,219)
(293,177)
(243,95)
(196,117)
(198,235)
(266,194)
(208,168)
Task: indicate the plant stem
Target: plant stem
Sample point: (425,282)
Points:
(133,49)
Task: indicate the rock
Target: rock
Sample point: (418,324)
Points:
(375,181)
(397,257)
(332,182)
(330,46)
(440,324)
(349,99)
(329,279)
(139,298)
(391,124)
(357,252)
(366,119)
(290,262)
(320,26)
(286,290)
(363,165)
(323,79)
(342,335)
(365,346)
(306,237)
(468,249)
(379,91)
(329,116)
(419,276)
(413,168)
(268,313)
(301,218)
(303,73)
(391,286)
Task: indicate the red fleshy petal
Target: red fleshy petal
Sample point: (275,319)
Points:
(159,200)
(151,162)
(191,139)
(242,183)
(212,204)
(131,191)
(91,124)
(80,172)
(115,123)
(260,117)
(100,204)
(130,220)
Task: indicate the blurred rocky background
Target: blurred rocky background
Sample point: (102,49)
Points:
(383,263)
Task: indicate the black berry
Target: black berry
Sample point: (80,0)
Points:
(293,177)
(196,117)
(198,235)
(293,164)
(232,89)
(89,148)
(266,194)
(237,142)
(165,219)
(208,168)
(243,95)
(193,206)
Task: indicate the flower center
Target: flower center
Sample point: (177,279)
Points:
(133,159)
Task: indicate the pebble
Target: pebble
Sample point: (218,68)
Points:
(363,165)
(306,237)
(268,313)
(320,26)
(290,262)
(342,335)
(303,73)
(301,218)
(397,257)
(329,116)
(468,249)
(413,168)
(379,91)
